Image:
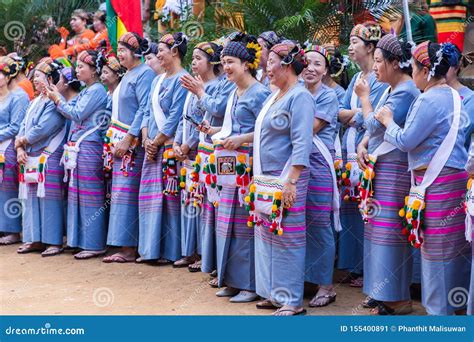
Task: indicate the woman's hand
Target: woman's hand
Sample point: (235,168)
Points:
(122,146)
(194,84)
(151,149)
(232,143)
(21,156)
(362,88)
(289,195)
(384,116)
(362,156)
(205,127)
(21,142)
(52,92)
(181,151)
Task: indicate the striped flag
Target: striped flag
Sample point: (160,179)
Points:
(123,16)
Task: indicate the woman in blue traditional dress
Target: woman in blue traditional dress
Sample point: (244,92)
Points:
(282,146)
(433,136)
(363,39)
(266,40)
(160,214)
(320,204)
(39,149)
(205,65)
(13,106)
(86,221)
(129,103)
(214,103)
(235,241)
(387,256)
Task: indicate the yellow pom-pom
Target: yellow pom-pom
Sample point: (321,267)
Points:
(42,159)
(406,200)
(198,159)
(191,188)
(252,188)
(248,169)
(165,154)
(182,185)
(249,224)
(401,213)
(2,158)
(247,199)
(348,166)
(274,207)
(367,174)
(183,171)
(409,215)
(109,133)
(241,158)
(278,195)
(212,158)
(344,176)
(416,204)
(469,183)
(280,231)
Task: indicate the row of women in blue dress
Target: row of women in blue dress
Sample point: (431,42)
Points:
(153,134)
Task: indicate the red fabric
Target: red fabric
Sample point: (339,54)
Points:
(129,11)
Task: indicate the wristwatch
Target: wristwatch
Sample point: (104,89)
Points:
(292,181)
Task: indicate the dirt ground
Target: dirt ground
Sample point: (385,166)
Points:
(60,285)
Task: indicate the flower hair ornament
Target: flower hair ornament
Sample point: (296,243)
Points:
(256,50)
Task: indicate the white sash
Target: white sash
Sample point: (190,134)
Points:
(187,102)
(444,150)
(160,117)
(115,102)
(227,125)
(257,163)
(385,147)
(4,145)
(335,198)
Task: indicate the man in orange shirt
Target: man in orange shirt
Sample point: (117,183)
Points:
(67,47)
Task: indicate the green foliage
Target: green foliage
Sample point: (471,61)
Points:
(27,25)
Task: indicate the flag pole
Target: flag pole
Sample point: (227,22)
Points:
(406,15)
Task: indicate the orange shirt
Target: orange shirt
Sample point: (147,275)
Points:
(91,44)
(27,86)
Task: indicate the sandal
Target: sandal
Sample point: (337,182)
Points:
(348,278)
(163,262)
(385,310)
(214,282)
(370,303)
(331,298)
(10,239)
(196,267)
(52,251)
(183,262)
(30,248)
(84,255)
(359,282)
(293,311)
(118,258)
(267,304)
